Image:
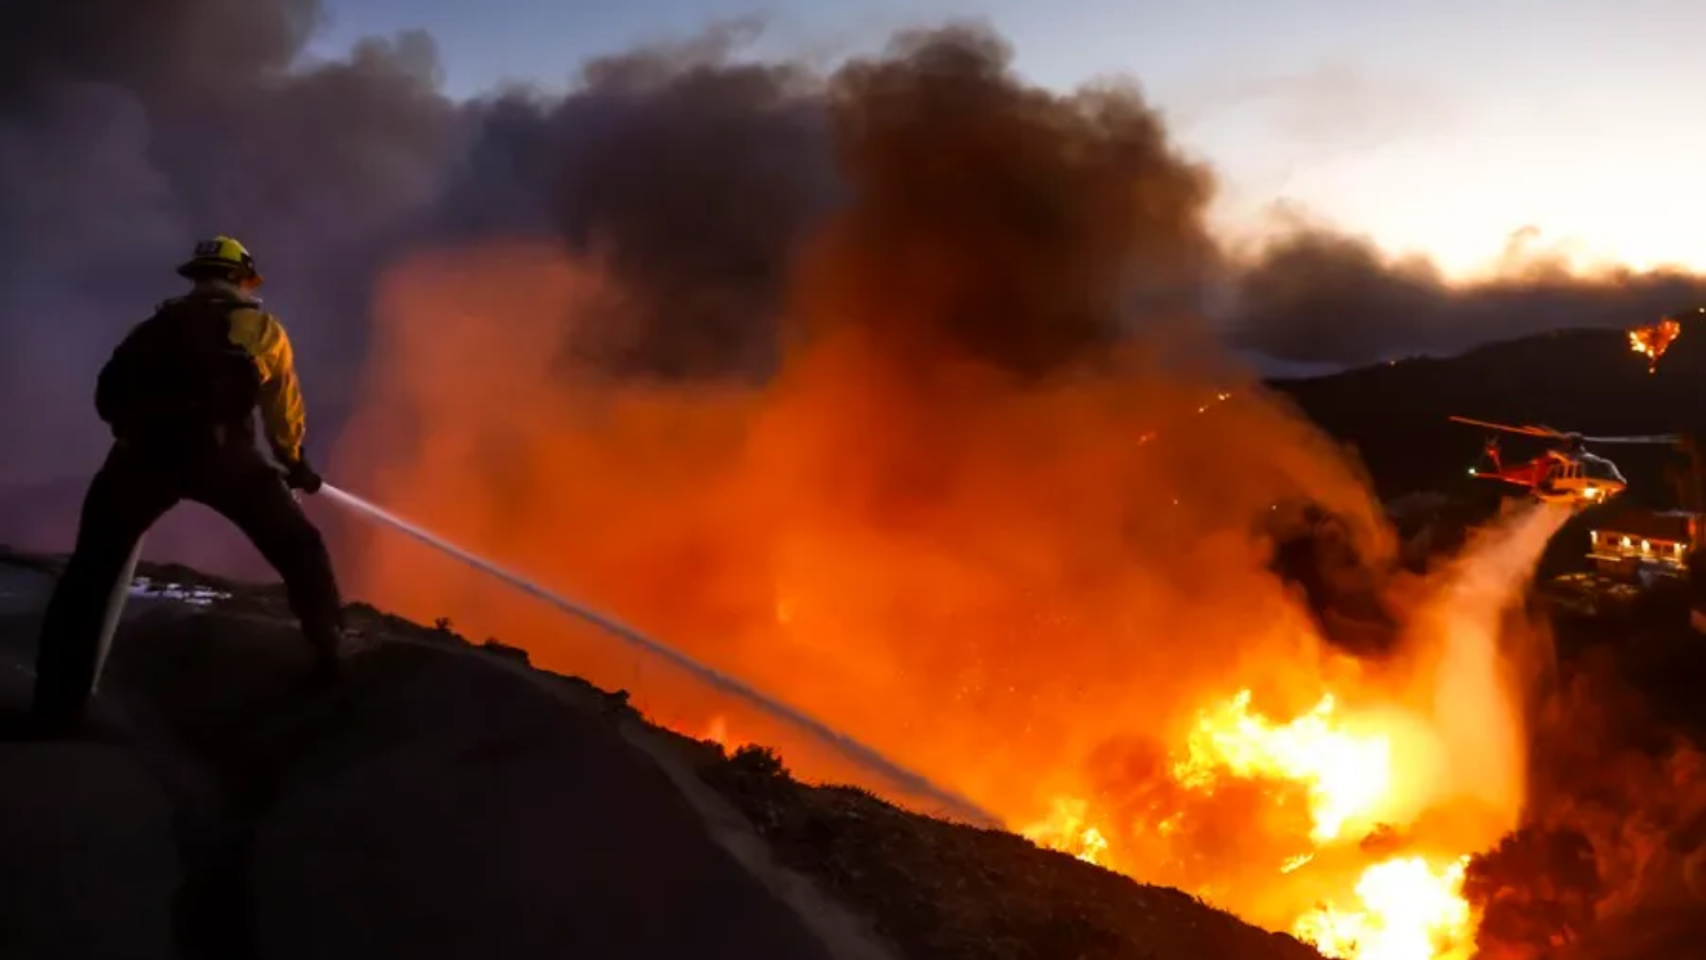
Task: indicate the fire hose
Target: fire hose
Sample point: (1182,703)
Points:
(865,757)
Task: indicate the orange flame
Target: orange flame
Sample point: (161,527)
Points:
(1653,339)
(1346,774)
(1410,911)
(989,581)
(1067,830)
(1399,908)
(717,732)
(1404,909)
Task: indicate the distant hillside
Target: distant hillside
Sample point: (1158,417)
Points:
(1395,415)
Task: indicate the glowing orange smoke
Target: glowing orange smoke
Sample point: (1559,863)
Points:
(996,584)
(993,511)
(1653,339)
(717,731)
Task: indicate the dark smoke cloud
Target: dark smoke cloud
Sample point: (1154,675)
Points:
(999,220)
(180,118)
(691,173)
(1318,295)
(690,176)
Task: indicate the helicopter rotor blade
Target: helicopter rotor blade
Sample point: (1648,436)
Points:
(1654,439)
(1527,430)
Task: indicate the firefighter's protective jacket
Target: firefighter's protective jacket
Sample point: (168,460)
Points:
(283,413)
(206,359)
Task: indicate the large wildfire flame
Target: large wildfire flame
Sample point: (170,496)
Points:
(1361,777)
(1048,598)
(1003,510)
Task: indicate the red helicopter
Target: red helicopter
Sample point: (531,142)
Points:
(1567,474)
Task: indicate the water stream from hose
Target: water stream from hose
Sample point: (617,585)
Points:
(865,757)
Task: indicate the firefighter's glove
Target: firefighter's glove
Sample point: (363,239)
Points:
(298,475)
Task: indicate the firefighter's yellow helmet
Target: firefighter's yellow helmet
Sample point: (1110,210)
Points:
(220,255)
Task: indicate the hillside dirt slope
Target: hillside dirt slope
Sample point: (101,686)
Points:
(450,801)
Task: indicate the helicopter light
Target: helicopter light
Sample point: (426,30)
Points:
(1472,471)
(1591,492)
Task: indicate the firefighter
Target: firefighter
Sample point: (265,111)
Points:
(179,395)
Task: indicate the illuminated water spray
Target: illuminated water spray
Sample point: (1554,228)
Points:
(866,757)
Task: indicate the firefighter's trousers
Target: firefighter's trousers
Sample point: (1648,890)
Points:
(132,490)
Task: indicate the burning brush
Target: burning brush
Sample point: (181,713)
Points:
(1653,339)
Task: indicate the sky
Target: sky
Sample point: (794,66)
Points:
(1434,127)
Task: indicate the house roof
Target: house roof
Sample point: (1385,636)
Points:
(1651,524)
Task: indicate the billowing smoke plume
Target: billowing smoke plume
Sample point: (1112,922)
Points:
(1002,223)
(981,514)
(690,177)
(177,119)
(1316,295)
(878,388)
(691,174)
